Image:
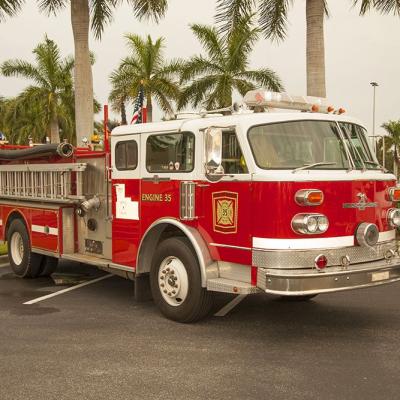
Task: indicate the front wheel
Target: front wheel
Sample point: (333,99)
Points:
(24,263)
(175,281)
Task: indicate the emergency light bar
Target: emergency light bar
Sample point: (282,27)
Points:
(264,98)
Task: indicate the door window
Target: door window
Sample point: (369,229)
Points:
(233,161)
(170,152)
(126,155)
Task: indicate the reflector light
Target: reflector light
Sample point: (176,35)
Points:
(310,224)
(263,98)
(309,197)
(321,262)
(394,194)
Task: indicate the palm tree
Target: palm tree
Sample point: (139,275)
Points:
(120,94)
(273,20)
(212,79)
(97,13)
(51,96)
(146,68)
(392,128)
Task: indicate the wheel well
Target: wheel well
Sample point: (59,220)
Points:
(13,216)
(171,228)
(152,239)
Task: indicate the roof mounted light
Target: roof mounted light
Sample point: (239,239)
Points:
(265,98)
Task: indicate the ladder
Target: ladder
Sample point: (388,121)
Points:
(42,182)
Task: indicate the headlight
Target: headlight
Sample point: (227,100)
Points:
(309,224)
(393,217)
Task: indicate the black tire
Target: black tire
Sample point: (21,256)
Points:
(299,298)
(48,266)
(24,263)
(198,301)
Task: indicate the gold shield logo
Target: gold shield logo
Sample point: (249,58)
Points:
(225,212)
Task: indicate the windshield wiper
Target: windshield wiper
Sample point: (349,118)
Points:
(309,166)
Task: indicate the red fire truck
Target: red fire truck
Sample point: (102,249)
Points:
(288,203)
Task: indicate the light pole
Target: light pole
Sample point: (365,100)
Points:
(374,85)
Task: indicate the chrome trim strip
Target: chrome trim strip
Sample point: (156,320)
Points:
(303,243)
(229,246)
(271,244)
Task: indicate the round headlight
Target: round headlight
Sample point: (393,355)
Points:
(312,224)
(323,224)
(393,217)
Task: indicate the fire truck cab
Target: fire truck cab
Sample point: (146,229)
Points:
(287,203)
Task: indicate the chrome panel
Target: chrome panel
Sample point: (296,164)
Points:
(305,282)
(230,286)
(294,259)
(68,230)
(236,272)
(187,201)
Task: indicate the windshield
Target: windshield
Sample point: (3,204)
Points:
(294,144)
(356,140)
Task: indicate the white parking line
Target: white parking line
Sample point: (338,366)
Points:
(49,296)
(230,306)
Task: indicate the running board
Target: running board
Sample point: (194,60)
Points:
(103,264)
(229,286)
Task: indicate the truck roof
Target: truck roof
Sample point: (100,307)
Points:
(243,119)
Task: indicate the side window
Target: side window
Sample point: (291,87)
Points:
(126,155)
(232,156)
(170,152)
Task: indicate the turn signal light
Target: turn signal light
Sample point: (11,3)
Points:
(321,262)
(309,197)
(310,224)
(394,194)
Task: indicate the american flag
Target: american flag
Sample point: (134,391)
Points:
(137,111)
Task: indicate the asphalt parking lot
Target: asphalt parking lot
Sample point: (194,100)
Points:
(95,342)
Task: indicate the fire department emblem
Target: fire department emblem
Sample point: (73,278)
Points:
(362,204)
(225,212)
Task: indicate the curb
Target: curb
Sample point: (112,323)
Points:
(4,258)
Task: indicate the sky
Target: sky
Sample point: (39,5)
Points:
(358,50)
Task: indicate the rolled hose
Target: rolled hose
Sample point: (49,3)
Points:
(64,150)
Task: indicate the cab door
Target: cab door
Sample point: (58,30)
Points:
(227,204)
(125,199)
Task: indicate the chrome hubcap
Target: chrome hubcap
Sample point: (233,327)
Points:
(17,248)
(173,281)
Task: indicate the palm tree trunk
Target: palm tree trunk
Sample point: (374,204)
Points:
(315,13)
(54,130)
(149,109)
(123,114)
(83,70)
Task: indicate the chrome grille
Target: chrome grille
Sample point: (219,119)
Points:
(294,259)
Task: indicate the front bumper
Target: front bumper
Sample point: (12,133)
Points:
(301,282)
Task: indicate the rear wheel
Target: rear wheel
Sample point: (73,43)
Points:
(24,263)
(175,281)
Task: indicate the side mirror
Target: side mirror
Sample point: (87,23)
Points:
(213,150)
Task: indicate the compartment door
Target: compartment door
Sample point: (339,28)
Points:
(125,199)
